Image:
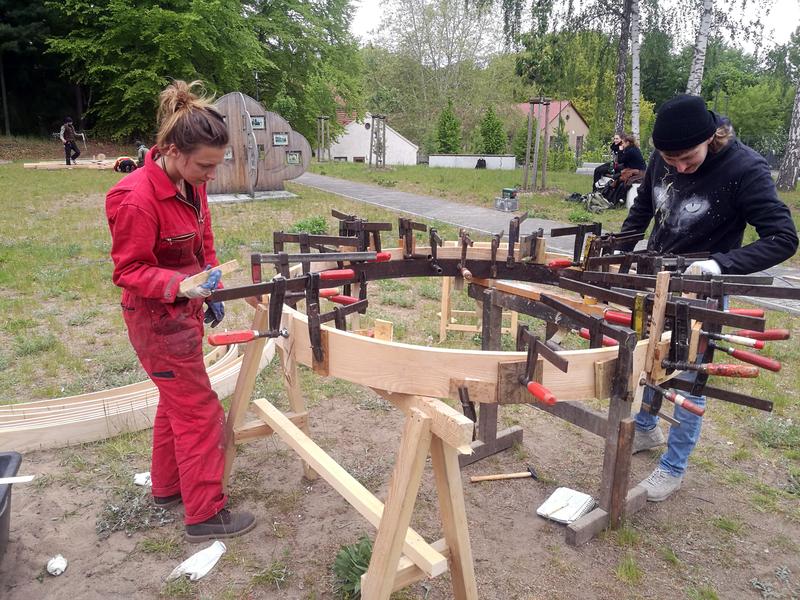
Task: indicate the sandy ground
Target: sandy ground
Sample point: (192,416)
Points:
(710,536)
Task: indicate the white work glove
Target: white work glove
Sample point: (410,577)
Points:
(204,289)
(704,267)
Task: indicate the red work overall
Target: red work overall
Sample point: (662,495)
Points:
(158,238)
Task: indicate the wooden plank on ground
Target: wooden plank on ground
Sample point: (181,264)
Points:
(415,547)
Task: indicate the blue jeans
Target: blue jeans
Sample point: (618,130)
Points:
(683,439)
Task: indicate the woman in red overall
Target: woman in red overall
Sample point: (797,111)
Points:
(161,234)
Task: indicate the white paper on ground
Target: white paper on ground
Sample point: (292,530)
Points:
(57,565)
(142,478)
(17,479)
(199,564)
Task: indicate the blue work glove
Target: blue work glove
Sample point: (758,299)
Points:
(214,313)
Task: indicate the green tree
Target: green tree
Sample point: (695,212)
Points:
(448,131)
(493,135)
(126,54)
(311,65)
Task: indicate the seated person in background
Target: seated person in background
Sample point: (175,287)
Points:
(124,164)
(606,168)
(628,169)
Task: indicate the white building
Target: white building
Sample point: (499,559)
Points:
(506,162)
(353,144)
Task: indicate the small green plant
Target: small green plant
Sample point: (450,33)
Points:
(313,225)
(350,564)
(628,571)
(580,215)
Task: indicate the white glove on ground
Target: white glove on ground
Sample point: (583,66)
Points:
(703,267)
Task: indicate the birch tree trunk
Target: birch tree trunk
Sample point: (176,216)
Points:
(621,78)
(635,69)
(790,165)
(693,86)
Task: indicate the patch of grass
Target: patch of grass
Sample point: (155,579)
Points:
(82,318)
(317,225)
(580,215)
(283,502)
(131,510)
(275,574)
(165,545)
(702,593)
(627,536)
(669,556)
(178,588)
(31,344)
(729,525)
(776,432)
(628,571)
(247,484)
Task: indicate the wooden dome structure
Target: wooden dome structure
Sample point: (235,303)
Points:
(264,151)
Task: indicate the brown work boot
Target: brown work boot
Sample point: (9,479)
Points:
(166,502)
(224,524)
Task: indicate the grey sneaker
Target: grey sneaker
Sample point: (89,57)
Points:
(660,485)
(645,440)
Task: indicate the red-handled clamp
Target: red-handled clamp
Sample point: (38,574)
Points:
(536,346)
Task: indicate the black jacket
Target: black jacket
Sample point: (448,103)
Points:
(630,158)
(708,210)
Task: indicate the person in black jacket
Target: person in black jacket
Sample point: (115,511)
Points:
(629,168)
(701,189)
(629,155)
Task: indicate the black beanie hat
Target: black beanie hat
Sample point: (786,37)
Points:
(683,122)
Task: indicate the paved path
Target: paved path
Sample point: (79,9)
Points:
(487,220)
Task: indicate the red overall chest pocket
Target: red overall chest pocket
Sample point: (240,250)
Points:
(177,248)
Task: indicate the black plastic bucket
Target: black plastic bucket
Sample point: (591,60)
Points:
(9,465)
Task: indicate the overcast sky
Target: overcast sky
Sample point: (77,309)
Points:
(783,19)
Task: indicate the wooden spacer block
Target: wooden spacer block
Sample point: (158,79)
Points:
(384,330)
(479,390)
(603,376)
(509,389)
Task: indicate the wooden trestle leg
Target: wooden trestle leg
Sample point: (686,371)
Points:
(489,440)
(399,506)
(243,392)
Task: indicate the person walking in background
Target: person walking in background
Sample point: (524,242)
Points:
(67,135)
(161,233)
(701,190)
(141,153)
